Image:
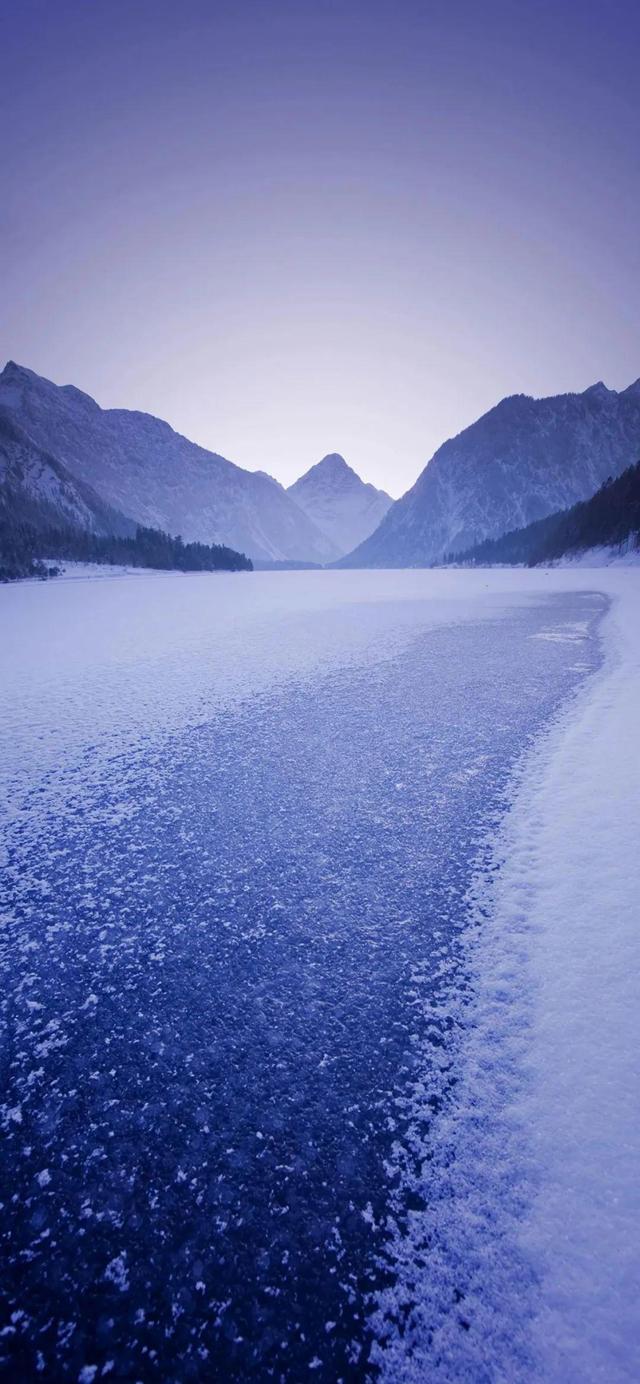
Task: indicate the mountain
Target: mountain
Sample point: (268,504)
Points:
(36,489)
(339,503)
(524,459)
(45,512)
(142,468)
(609,518)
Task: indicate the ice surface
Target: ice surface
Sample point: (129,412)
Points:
(273,1048)
(92,666)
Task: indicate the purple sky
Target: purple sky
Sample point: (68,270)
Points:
(294,228)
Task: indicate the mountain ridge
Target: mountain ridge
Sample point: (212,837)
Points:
(140,466)
(608,519)
(37,489)
(523,459)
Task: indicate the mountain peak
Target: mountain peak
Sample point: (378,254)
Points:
(333,465)
(15,381)
(342,505)
(598,391)
(332,473)
(12,369)
(335,460)
(20,377)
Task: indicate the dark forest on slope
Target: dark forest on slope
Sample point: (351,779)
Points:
(27,550)
(611,517)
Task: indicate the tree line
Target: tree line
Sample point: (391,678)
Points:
(27,550)
(609,518)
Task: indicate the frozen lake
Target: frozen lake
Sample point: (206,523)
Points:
(242,817)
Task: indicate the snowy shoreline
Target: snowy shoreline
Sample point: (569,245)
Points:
(91,571)
(572,877)
(624,555)
(532,1188)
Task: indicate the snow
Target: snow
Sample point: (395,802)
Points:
(524,459)
(537,1218)
(619,555)
(108,663)
(116,1272)
(573,856)
(341,505)
(512,1249)
(96,571)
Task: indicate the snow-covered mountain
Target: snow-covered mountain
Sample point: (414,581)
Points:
(608,520)
(36,489)
(340,503)
(523,460)
(142,468)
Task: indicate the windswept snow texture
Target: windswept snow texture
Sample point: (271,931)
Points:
(234,953)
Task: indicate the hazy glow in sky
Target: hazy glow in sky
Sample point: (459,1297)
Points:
(324,225)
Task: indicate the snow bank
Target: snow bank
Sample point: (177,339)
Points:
(572,874)
(620,555)
(523,1263)
(73,571)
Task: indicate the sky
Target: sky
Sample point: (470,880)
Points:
(298,228)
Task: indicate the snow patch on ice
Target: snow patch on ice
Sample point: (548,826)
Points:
(116,1271)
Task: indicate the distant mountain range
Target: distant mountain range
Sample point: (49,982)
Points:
(523,460)
(65,460)
(339,503)
(136,466)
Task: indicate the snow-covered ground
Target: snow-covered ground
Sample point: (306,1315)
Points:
(107,663)
(620,555)
(571,881)
(90,571)
(533,1171)
(225,734)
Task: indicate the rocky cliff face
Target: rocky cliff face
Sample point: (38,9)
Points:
(36,489)
(523,460)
